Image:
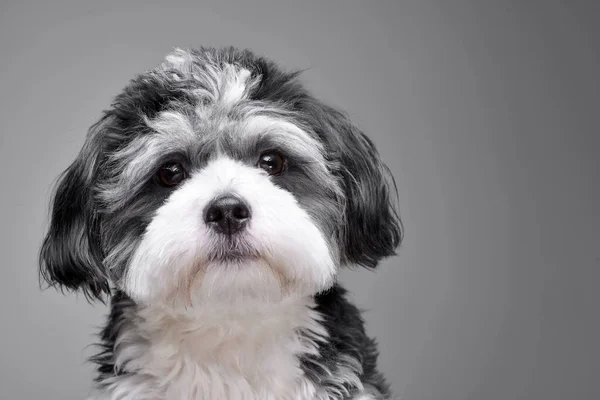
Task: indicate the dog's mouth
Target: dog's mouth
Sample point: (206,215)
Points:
(228,250)
(232,256)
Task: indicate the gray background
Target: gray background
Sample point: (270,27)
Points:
(487,113)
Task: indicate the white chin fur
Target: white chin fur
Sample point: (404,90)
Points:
(172,264)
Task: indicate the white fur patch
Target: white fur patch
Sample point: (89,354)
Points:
(172,263)
(246,352)
(234,85)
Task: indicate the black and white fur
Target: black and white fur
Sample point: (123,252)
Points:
(198,314)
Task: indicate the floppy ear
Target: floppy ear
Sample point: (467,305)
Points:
(71,256)
(373,229)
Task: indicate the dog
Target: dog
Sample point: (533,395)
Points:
(214,203)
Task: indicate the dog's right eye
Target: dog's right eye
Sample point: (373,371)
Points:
(171,174)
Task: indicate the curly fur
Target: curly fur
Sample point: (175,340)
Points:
(194,314)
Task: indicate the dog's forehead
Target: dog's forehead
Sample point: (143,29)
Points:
(175,129)
(217,110)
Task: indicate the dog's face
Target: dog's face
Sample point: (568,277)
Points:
(215,176)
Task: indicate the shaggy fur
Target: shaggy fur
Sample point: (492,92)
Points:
(204,313)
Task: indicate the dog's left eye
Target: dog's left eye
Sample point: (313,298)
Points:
(171,174)
(272,162)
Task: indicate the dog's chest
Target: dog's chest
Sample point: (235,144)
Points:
(243,357)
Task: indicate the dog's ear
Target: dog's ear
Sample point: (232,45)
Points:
(71,255)
(372,226)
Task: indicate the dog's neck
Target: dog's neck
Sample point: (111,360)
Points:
(224,351)
(213,330)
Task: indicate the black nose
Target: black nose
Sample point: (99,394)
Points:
(227,214)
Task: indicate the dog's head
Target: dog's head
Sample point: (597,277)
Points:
(217,176)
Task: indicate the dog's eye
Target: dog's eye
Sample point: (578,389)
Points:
(171,174)
(272,162)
